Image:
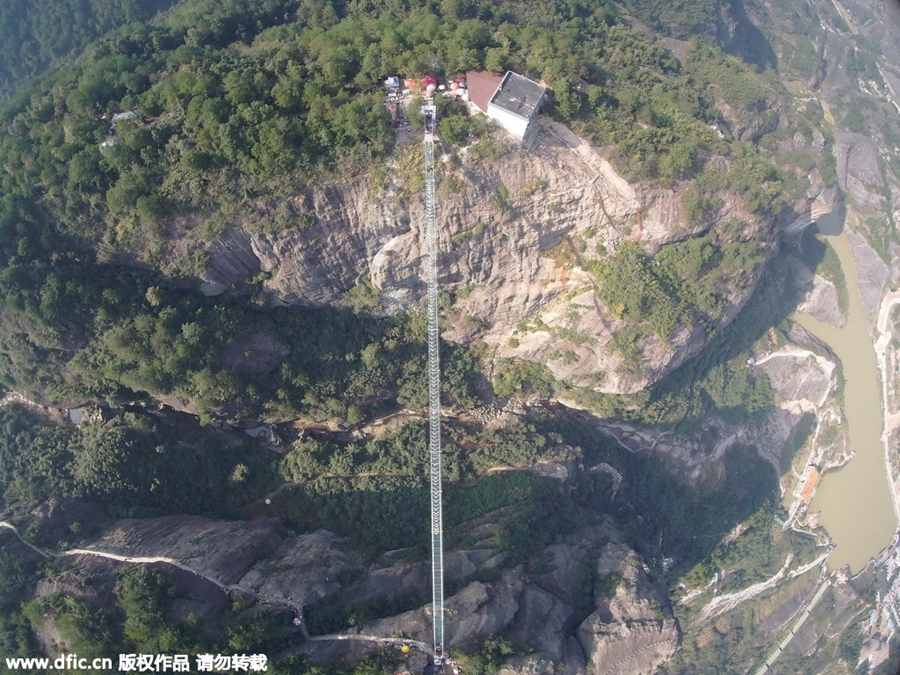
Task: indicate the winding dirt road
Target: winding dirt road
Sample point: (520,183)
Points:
(723,603)
(295,606)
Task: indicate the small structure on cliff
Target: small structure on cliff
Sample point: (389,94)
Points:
(512,101)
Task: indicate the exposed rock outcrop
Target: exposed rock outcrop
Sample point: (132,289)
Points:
(858,167)
(872,275)
(821,300)
(632,631)
(516,256)
(537,610)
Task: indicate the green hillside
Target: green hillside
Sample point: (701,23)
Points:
(135,135)
(44,33)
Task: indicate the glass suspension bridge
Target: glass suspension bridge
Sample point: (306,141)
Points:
(441,662)
(434,395)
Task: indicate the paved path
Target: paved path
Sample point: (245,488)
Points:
(265,599)
(34,548)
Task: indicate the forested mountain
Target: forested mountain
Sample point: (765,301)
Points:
(240,105)
(35,35)
(209,224)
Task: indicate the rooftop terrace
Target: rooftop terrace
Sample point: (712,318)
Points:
(518,95)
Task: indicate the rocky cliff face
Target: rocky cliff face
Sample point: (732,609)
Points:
(849,68)
(543,607)
(633,630)
(511,230)
(584,604)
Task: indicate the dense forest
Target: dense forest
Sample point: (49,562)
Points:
(373,493)
(230,107)
(37,35)
(237,104)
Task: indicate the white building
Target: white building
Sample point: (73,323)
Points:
(512,104)
(515,103)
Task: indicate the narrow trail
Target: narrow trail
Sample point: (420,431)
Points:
(828,368)
(818,562)
(434,443)
(34,548)
(723,603)
(826,365)
(295,606)
(151,560)
(414,644)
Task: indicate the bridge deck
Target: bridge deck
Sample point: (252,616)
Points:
(434,394)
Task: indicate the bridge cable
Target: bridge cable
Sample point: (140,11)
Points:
(434,391)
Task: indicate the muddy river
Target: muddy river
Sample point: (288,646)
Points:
(855,501)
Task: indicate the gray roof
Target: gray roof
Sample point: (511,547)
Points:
(518,95)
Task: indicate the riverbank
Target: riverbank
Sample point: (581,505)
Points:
(885,353)
(859,528)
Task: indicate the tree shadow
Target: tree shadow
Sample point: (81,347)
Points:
(743,39)
(775,299)
(800,434)
(656,511)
